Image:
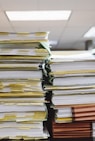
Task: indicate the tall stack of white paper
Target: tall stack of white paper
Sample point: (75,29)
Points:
(22,98)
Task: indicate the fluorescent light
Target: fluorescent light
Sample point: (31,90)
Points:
(90,33)
(38,15)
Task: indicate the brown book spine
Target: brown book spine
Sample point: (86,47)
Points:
(91,118)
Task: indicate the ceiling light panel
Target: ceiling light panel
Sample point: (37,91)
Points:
(38,15)
(90,33)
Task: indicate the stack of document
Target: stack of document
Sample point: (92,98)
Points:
(33,47)
(23,36)
(73,88)
(22,97)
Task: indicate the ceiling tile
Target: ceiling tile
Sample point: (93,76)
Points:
(47,4)
(70,36)
(25,26)
(4,23)
(82,18)
(19,4)
(72,33)
(67,4)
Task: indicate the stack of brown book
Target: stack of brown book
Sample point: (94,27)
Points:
(72,130)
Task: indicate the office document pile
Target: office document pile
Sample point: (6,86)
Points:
(22,98)
(73,94)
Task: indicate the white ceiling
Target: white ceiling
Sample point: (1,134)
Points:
(68,34)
